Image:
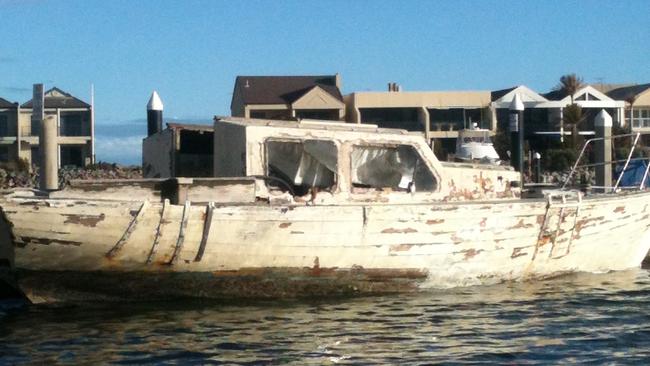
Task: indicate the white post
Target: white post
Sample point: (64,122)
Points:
(603,127)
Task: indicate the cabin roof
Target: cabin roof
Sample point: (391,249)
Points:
(190,126)
(306,124)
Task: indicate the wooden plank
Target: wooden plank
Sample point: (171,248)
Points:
(129,230)
(181,233)
(206,231)
(156,240)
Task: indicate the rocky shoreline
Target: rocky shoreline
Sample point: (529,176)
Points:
(20,177)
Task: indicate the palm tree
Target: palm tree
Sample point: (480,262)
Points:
(570,84)
(572,114)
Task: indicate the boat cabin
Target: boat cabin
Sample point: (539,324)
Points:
(476,144)
(328,162)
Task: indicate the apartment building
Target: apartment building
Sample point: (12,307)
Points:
(74,119)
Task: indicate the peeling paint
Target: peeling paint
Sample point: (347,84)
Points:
(399,231)
(517,252)
(45,241)
(401,247)
(85,220)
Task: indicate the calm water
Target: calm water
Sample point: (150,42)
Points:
(580,318)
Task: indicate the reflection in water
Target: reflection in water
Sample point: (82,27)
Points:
(584,317)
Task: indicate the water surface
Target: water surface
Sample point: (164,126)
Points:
(582,318)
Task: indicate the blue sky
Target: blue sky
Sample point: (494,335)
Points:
(191,51)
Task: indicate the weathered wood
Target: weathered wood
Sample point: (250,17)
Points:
(128,231)
(181,233)
(207,223)
(156,240)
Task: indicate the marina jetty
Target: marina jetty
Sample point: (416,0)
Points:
(314,208)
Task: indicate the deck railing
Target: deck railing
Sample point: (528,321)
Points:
(626,161)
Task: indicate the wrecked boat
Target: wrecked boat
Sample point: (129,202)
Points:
(310,208)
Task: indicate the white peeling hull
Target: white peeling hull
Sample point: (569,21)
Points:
(363,248)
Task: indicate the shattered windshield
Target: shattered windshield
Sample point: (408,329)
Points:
(303,164)
(398,167)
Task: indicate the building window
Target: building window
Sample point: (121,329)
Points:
(36,127)
(72,156)
(640,118)
(395,167)
(71,125)
(4,153)
(4,126)
(302,165)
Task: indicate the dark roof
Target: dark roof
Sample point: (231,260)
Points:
(500,93)
(628,92)
(7,104)
(558,94)
(283,89)
(66,101)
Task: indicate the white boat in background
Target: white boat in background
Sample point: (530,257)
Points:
(305,209)
(475,144)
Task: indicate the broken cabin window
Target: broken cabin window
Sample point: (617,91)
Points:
(396,167)
(302,164)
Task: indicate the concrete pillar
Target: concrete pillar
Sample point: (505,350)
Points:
(517,136)
(603,149)
(48,171)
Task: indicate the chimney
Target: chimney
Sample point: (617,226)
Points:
(337,81)
(154,114)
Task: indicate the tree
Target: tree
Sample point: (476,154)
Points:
(572,114)
(570,84)
(573,118)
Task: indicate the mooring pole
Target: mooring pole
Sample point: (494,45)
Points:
(49,155)
(517,137)
(538,167)
(154,114)
(603,149)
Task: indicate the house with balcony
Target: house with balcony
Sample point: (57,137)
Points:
(74,119)
(288,97)
(8,131)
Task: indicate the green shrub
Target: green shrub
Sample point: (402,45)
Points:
(557,160)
